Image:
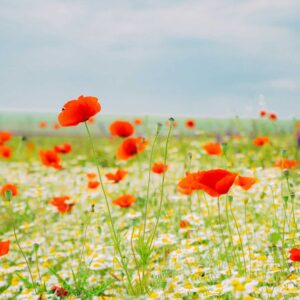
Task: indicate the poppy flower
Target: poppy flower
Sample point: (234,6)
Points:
(50,159)
(245,182)
(63,204)
(4,247)
(284,163)
(184,224)
(5,151)
(92,185)
(131,147)
(272,117)
(121,129)
(262,113)
(91,120)
(188,184)
(159,168)
(63,149)
(42,124)
(124,201)
(56,126)
(79,110)
(295,254)
(59,291)
(190,123)
(213,148)
(91,175)
(117,176)
(11,187)
(261,141)
(5,136)
(138,121)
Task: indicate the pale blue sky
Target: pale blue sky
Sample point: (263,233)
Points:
(206,58)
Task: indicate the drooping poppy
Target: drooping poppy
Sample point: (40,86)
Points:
(124,201)
(159,168)
(4,137)
(4,247)
(50,159)
(213,148)
(5,151)
(121,129)
(117,176)
(63,149)
(261,141)
(130,147)
(42,124)
(92,185)
(190,123)
(138,121)
(79,110)
(273,117)
(285,163)
(245,182)
(295,254)
(63,204)
(59,291)
(9,187)
(262,113)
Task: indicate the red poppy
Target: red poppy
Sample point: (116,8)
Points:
(138,121)
(184,224)
(188,184)
(5,136)
(284,163)
(124,201)
(245,182)
(5,151)
(9,187)
(92,185)
(262,113)
(295,254)
(190,123)
(272,117)
(50,159)
(131,147)
(91,120)
(79,110)
(261,140)
(63,149)
(4,247)
(116,177)
(159,168)
(213,149)
(56,126)
(59,291)
(63,204)
(42,124)
(91,175)
(121,129)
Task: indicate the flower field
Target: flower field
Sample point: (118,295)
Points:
(149,212)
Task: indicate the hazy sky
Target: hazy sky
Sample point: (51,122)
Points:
(171,57)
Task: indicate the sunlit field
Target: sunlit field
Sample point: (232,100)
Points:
(136,209)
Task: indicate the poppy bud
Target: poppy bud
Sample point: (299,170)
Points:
(246,200)
(190,155)
(36,247)
(285,199)
(159,125)
(171,120)
(283,152)
(230,198)
(286,173)
(93,208)
(24,138)
(293,195)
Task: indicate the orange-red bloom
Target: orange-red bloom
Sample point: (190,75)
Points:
(261,140)
(272,117)
(9,187)
(213,149)
(50,159)
(124,201)
(79,110)
(121,129)
(245,182)
(295,254)
(5,136)
(131,147)
(4,247)
(5,151)
(56,126)
(42,124)
(63,149)
(91,175)
(117,176)
(92,185)
(190,123)
(262,113)
(138,121)
(59,291)
(159,168)
(63,204)
(285,163)
(213,182)
(184,224)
